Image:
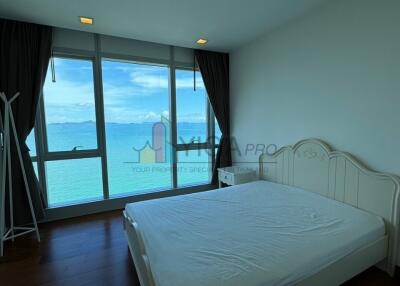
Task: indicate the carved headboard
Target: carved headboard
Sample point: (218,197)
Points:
(312,165)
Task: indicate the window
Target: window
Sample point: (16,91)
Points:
(193,130)
(136,108)
(69,106)
(72,166)
(107,137)
(71,181)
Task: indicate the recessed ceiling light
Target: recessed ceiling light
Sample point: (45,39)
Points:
(201,42)
(86,20)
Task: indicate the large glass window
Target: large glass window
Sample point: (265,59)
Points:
(112,136)
(136,107)
(69,106)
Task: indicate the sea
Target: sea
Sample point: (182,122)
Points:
(131,164)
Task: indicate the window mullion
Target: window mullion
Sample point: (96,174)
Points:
(100,121)
(68,155)
(193,146)
(172,88)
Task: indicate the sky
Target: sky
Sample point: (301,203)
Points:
(133,93)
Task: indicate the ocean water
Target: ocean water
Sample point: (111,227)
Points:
(129,170)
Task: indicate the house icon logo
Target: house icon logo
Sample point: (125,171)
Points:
(159,150)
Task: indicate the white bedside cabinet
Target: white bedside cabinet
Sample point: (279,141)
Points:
(235,175)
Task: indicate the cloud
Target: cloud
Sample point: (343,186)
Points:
(154,80)
(64,92)
(71,97)
(152,116)
(129,115)
(165,113)
(149,81)
(67,101)
(119,94)
(71,113)
(192,117)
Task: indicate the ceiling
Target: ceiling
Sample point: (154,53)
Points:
(227,24)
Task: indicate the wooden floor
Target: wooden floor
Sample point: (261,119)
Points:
(91,250)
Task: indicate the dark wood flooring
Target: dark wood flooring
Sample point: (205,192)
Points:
(91,250)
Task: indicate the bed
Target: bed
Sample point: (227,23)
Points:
(315,217)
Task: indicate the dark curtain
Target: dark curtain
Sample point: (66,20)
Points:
(214,68)
(25,50)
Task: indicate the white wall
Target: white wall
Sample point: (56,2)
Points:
(333,75)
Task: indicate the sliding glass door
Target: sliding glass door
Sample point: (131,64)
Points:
(137,122)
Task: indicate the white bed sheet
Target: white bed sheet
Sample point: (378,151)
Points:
(260,233)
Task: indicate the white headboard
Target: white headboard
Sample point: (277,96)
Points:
(312,165)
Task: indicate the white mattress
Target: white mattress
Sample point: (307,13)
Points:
(259,233)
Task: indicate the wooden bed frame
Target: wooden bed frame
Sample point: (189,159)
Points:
(312,165)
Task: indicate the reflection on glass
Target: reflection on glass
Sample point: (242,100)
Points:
(73,181)
(136,106)
(69,106)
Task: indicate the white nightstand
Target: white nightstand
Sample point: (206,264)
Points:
(235,175)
